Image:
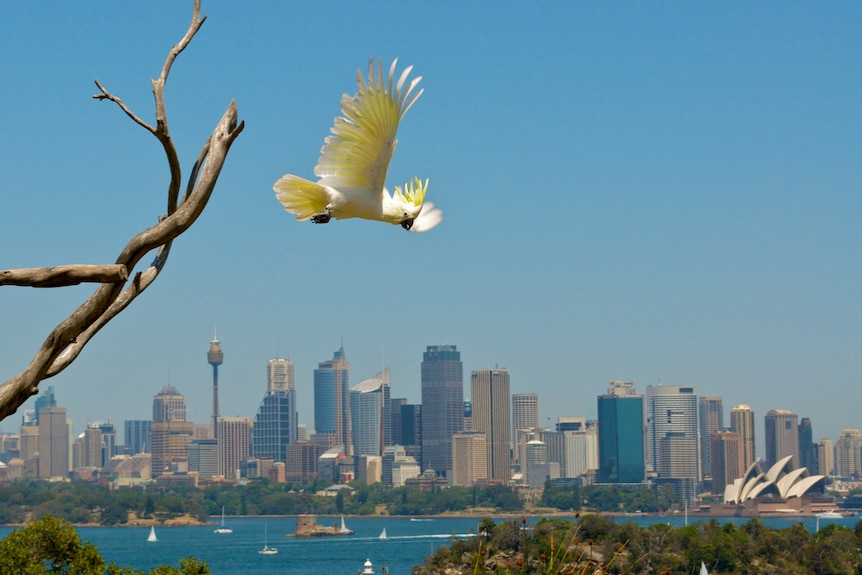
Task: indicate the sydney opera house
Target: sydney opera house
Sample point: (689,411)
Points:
(780,490)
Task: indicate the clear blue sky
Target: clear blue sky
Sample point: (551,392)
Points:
(658,192)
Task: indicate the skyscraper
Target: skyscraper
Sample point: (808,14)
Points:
(490,393)
(331,400)
(366,416)
(233,444)
(137,434)
(170,433)
(275,424)
(469,458)
(726,459)
(621,436)
(825,456)
(782,436)
(525,412)
(53,442)
(442,405)
(395,418)
(672,431)
(411,429)
(742,422)
(848,454)
(807,447)
(215,358)
(279,375)
(710,420)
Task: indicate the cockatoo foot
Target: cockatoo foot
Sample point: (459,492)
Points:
(322,218)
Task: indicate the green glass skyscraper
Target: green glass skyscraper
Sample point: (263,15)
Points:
(621,436)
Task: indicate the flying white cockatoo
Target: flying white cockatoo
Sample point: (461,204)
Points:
(354,159)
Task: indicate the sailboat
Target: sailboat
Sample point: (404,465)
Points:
(267,550)
(344,530)
(222,529)
(383,534)
(152,537)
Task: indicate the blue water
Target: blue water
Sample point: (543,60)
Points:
(408,543)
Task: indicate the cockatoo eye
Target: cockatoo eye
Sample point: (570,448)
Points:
(407,224)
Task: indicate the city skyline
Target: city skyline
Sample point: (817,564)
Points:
(671,190)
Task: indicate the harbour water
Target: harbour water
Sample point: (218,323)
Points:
(408,542)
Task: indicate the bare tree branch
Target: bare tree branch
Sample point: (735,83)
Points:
(65,342)
(69,275)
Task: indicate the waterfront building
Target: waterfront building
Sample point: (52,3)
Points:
(742,422)
(442,405)
(782,436)
(300,463)
(672,438)
(581,452)
(331,400)
(490,393)
(525,413)
(621,435)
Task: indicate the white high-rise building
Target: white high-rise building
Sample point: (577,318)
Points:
(672,431)
(525,412)
(581,452)
(279,375)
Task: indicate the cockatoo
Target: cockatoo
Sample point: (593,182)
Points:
(354,159)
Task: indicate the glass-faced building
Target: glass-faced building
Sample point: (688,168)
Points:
(442,405)
(621,439)
(275,425)
(331,400)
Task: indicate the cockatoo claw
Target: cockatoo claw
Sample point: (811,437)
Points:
(322,218)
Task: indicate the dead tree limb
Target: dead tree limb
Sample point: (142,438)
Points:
(117,291)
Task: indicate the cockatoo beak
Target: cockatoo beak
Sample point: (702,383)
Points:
(407,224)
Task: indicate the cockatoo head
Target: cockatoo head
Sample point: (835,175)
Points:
(409,201)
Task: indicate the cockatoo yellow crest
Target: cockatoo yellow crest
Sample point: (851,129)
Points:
(354,159)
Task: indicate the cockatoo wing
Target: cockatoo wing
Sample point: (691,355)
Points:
(357,154)
(428,218)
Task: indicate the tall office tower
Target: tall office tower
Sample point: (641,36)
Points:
(807,447)
(137,435)
(710,420)
(47,399)
(672,431)
(300,465)
(469,458)
(782,436)
(279,375)
(234,435)
(275,425)
(170,433)
(53,442)
(468,415)
(215,357)
(411,430)
(525,412)
(331,400)
(726,461)
(386,429)
(622,388)
(28,447)
(580,452)
(742,422)
(442,405)
(848,454)
(621,436)
(490,392)
(366,416)
(109,441)
(203,457)
(825,457)
(87,450)
(395,410)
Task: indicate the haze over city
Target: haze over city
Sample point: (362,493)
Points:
(663,195)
